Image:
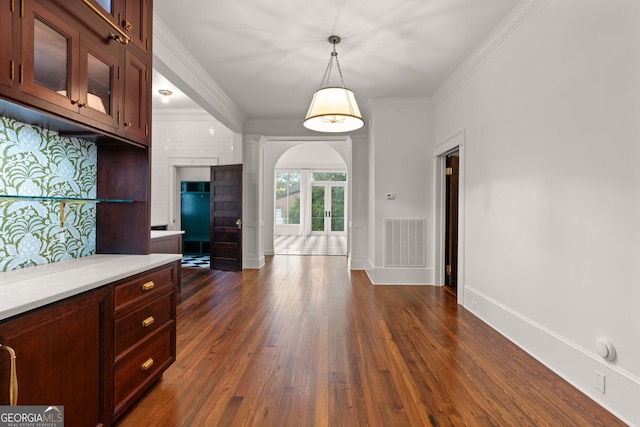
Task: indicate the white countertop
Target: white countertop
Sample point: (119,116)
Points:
(24,289)
(165,233)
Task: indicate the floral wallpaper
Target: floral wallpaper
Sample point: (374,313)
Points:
(39,162)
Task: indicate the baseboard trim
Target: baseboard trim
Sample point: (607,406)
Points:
(575,364)
(401,276)
(356,264)
(253,263)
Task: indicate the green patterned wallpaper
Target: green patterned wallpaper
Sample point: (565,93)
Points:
(39,162)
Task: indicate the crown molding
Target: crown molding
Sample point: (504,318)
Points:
(511,25)
(194,114)
(168,51)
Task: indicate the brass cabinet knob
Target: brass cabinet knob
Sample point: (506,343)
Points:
(148,286)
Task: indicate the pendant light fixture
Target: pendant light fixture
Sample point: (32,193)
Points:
(333,109)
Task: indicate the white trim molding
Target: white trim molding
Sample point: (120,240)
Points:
(400,276)
(455,142)
(573,363)
(514,22)
(173,60)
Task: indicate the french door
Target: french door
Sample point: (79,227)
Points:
(328,208)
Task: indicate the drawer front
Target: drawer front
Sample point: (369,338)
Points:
(133,290)
(130,329)
(137,370)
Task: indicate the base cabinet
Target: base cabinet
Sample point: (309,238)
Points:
(144,338)
(97,352)
(59,359)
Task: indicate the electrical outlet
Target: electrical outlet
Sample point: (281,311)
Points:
(599,381)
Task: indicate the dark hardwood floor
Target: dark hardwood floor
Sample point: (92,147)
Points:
(305,342)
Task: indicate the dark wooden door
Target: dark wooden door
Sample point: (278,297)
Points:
(451,222)
(226,217)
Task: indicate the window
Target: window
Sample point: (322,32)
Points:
(287,198)
(328,176)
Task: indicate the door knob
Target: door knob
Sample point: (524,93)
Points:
(239,223)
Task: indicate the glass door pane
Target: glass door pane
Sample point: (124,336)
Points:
(50,58)
(317,208)
(98,85)
(337,208)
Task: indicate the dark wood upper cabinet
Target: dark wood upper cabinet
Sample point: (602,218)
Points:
(136,109)
(136,23)
(63,68)
(99,82)
(49,68)
(63,58)
(8,63)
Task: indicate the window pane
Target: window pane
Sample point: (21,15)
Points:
(337,208)
(329,176)
(287,209)
(317,209)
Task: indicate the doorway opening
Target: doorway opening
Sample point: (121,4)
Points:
(452,180)
(449,232)
(310,212)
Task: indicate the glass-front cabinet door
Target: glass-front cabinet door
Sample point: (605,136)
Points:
(99,83)
(49,57)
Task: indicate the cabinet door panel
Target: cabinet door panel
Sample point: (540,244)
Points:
(58,357)
(99,82)
(7,63)
(136,114)
(136,22)
(49,57)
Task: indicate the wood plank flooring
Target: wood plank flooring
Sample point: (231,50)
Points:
(305,342)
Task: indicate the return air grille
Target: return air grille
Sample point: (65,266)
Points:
(404,242)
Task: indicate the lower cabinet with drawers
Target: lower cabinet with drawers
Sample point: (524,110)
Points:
(144,311)
(97,352)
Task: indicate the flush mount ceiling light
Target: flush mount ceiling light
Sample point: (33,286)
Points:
(165,95)
(333,109)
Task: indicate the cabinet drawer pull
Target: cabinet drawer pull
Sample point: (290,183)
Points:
(13,376)
(127,124)
(148,321)
(148,286)
(146,365)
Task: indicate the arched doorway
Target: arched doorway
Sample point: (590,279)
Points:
(310,201)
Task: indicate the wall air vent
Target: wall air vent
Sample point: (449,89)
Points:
(404,242)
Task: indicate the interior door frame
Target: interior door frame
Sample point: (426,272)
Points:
(174,183)
(456,142)
(327,198)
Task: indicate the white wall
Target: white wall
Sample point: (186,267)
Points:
(184,137)
(401,143)
(552,190)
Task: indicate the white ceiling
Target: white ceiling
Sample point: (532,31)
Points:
(269,57)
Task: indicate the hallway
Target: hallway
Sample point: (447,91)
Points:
(305,342)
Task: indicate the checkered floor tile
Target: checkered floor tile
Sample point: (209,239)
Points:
(310,245)
(195,261)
